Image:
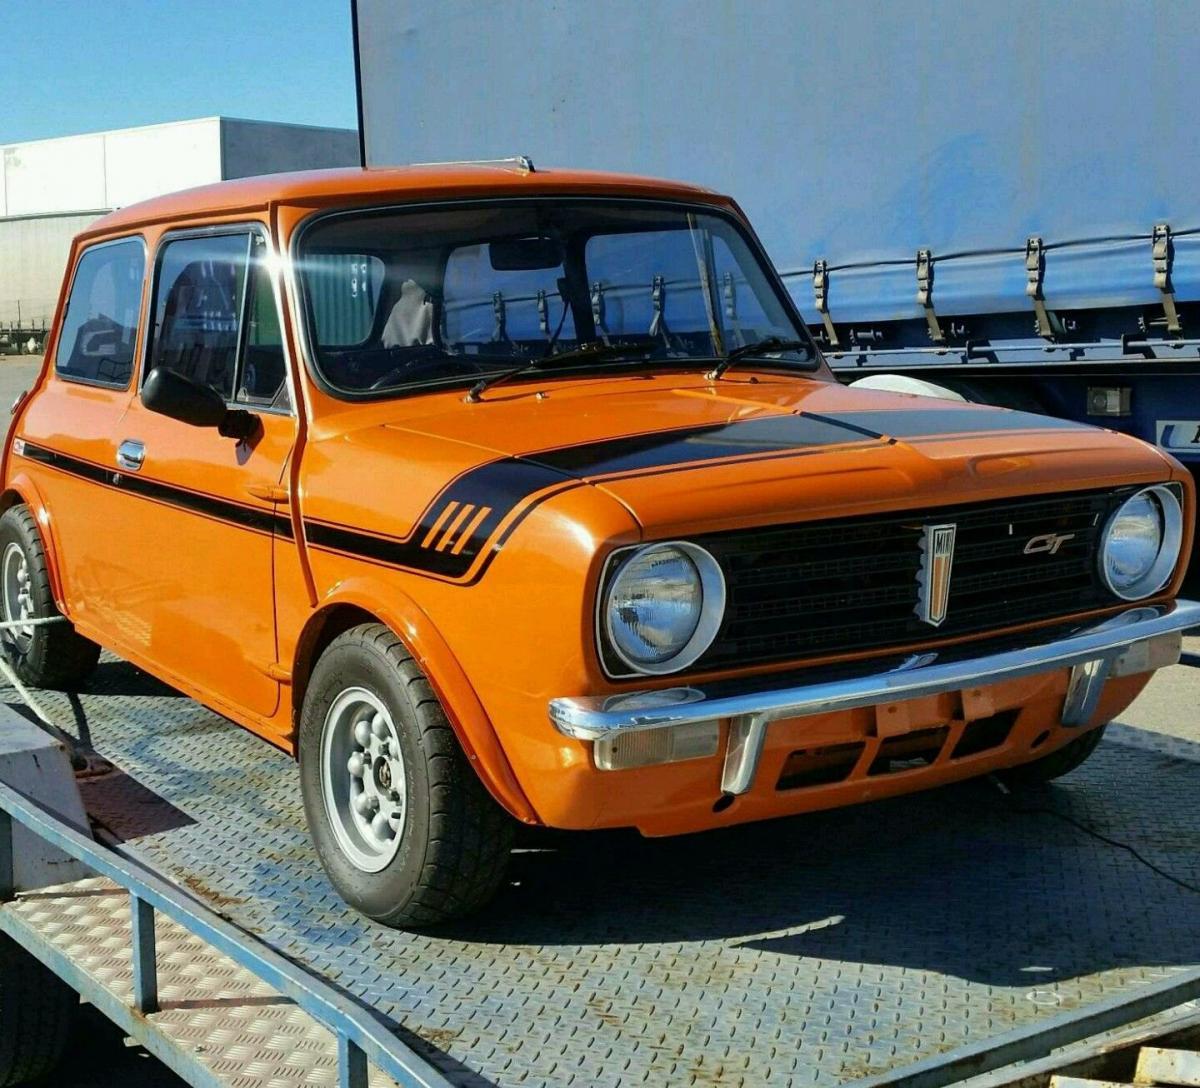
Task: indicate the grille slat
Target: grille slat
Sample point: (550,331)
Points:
(796,591)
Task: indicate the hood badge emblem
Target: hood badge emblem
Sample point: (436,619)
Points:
(933,581)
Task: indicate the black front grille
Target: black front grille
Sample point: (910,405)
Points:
(817,588)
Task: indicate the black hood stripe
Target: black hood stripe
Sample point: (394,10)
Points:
(933,422)
(464,527)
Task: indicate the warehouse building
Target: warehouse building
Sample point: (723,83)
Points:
(52,189)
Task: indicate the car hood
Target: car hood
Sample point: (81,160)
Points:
(685,454)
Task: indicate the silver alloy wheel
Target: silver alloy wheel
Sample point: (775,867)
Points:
(18,599)
(362,779)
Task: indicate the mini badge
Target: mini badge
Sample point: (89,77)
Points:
(937,559)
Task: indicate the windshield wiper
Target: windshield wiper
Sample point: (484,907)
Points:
(767,346)
(589,351)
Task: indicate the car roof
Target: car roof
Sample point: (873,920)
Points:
(357,185)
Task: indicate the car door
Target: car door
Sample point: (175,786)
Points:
(64,440)
(198,510)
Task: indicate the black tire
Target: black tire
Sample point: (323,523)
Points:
(1056,764)
(52,655)
(37,1013)
(454,839)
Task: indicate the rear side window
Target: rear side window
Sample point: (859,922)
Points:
(100,325)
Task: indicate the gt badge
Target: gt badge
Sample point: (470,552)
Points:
(1047,542)
(937,559)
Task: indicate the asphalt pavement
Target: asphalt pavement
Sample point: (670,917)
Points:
(1170,705)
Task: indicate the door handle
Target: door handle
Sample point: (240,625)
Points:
(130,455)
(268,492)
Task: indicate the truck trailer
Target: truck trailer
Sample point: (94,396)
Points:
(981,201)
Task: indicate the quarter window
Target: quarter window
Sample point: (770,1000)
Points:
(100,326)
(264,370)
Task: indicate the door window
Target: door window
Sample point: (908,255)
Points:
(198,306)
(215,318)
(100,325)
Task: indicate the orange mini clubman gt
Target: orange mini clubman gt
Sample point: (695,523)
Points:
(499,495)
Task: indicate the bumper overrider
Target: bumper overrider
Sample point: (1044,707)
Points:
(1139,640)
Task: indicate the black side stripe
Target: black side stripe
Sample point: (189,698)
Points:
(438,545)
(474,514)
(245,517)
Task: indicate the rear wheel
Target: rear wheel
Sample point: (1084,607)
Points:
(37,1012)
(1056,764)
(402,824)
(50,655)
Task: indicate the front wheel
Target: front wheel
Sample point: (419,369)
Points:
(403,827)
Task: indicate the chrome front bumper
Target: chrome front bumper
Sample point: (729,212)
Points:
(1138,640)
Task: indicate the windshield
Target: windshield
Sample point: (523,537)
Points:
(398,299)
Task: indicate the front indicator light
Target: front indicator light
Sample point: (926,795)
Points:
(647,747)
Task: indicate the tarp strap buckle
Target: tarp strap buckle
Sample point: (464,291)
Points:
(658,297)
(500,313)
(729,296)
(821,294)
(925,295)
(598,319)
(1164,257)
(1046,323)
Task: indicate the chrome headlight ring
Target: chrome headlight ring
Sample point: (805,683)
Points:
(709,610)
(1146,573)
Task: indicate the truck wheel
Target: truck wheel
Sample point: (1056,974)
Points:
(404,828)
(1055,765)
(50,655)
(37,1012)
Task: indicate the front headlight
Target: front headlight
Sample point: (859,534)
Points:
(1141,543)
(663,606)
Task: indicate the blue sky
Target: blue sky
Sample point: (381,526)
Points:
(85,65)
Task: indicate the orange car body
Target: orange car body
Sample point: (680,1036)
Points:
(224,567)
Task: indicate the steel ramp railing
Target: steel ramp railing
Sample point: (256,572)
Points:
(364,1038)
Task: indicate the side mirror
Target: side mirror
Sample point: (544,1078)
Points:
(172,394)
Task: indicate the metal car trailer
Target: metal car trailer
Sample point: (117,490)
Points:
(919,941)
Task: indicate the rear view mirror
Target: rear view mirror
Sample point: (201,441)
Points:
(172,394)
(525,254)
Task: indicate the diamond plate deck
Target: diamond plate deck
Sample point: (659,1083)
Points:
(813,950)
(234,1025)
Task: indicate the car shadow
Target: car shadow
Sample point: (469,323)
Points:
(961,881)
(115,677)
(127,809)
